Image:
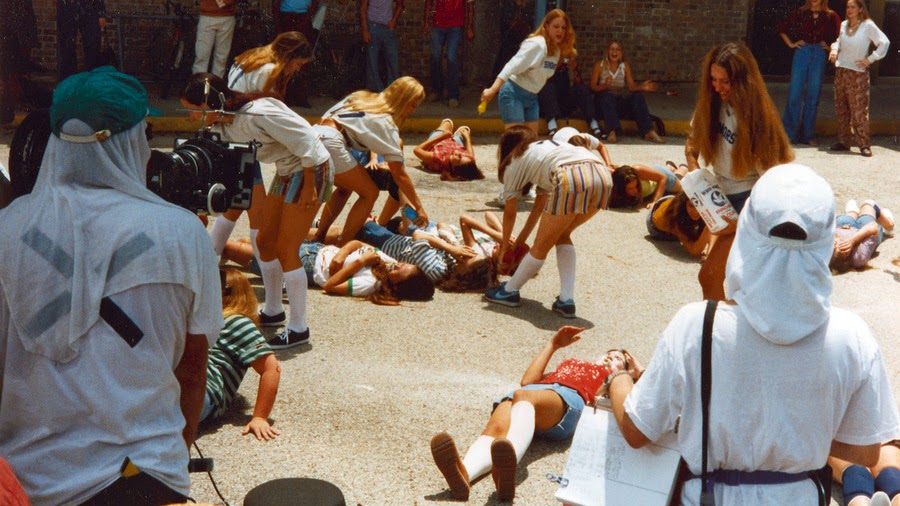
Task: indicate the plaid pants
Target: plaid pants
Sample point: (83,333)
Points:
(851,104)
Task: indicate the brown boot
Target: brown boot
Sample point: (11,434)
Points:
(446,457)
(652,136)
(503,470)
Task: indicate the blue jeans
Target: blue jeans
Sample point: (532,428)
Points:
(627,106)
(517,105)
(383,43)
(449,37)
(860,222)
(807,70)
(71,19)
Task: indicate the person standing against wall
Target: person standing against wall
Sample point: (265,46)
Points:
(809,31)
(378,18)
(448,17)
(73,17)
(215,29)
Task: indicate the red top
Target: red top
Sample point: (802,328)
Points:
(217,8)
(803,25)
(449,13)
(441,152)
(583,377)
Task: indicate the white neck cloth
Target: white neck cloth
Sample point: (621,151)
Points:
(91,229)
(783,286)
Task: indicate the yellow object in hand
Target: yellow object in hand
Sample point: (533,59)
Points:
(482,107)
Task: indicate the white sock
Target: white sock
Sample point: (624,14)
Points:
(526,270)
(295,284)
(521,427)
(220,232)
(594,125)
(565,262)
(551,124)
(478,459)
(273,281)
(253,234)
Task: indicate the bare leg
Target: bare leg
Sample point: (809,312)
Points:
(357,181)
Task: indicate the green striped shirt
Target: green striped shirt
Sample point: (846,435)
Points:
(240,343)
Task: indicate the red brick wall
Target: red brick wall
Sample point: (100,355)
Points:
(663,39)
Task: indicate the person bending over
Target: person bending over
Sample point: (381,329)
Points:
(547,406)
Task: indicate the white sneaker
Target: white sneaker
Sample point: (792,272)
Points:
(880,499)
(851,207)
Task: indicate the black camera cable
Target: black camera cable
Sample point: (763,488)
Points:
(205,465)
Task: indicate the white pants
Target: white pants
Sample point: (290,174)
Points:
(213,31)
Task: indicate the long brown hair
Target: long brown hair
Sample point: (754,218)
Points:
(567,46)
(676,216)
(416,287)
(514,141)
(238,296)
(760,141)
(289,52)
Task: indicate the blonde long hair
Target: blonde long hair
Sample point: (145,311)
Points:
(393,100)
(567,47)
(761,142)
(290,51)
(238,296)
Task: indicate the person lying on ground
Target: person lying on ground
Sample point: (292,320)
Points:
(858,233)
(638,183)
(674,218)
(449,153)
(547,406)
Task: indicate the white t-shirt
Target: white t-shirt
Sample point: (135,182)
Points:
(368,131)
(287,138)
(852,48)
(531,66)
(67,428)
(772,407)
(249,82)
(537,165)
(724,169)
(362,284)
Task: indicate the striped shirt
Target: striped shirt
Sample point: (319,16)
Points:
(435,264)
(240,343)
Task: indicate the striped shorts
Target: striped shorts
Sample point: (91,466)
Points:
(288,187)
(578,188)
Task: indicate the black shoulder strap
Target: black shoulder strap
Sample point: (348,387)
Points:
(706,493)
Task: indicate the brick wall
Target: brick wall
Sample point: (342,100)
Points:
(663,39)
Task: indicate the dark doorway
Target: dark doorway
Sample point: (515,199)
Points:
(773,56)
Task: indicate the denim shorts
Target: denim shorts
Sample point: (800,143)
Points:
(863,220)
(308,252)
(574,406)
(517,105)
(458,138)
(671,178)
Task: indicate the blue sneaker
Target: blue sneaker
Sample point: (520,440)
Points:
(565,308)
(499,295)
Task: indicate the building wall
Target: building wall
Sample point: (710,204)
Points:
(663,39)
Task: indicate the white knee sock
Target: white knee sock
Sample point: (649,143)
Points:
(521,427)
(295,284)
(526,270)
(478,458)
(594,125)
(273,282)
(565,262)
(220,232)
(551,124)
(253,234)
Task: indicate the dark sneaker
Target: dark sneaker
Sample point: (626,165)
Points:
(564,308)
(289,339)
(503,457)
(446,457)
(499,295)
(839,146)
(272,321)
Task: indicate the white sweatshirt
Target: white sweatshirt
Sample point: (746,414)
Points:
(531,66)
(852,48)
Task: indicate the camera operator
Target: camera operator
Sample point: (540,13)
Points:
(303,183)
(110,299)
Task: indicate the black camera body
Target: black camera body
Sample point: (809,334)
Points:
(204,174)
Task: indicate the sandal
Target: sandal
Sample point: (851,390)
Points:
(446,119)
(866,151)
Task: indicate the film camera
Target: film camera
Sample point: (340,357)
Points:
(203,174)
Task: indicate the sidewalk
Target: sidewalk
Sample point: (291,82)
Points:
(675,111)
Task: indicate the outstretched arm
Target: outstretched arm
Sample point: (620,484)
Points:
(269,376)
(565,336)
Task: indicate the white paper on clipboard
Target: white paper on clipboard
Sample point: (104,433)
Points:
(602,470)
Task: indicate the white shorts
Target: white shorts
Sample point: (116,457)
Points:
(336,144)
